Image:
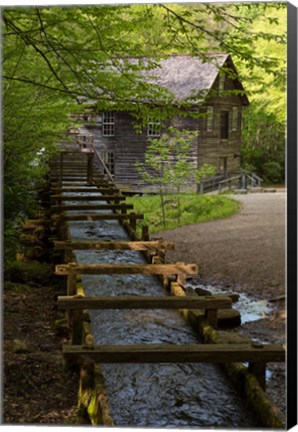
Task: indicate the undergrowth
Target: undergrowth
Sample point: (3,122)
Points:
(194,208)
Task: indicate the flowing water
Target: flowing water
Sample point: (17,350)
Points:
(156,395)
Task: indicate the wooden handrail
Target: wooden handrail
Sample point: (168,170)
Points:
(106,170)
(230,179)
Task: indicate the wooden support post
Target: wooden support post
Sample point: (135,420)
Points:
(86,388)
(259,370)
(123,209)
(133,221)
(212,317)
(181,278)
(71,283)
(71,290)
(77,327)
(145,233)
(61,169)
(90,157)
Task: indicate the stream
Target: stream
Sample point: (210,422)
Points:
(153,395)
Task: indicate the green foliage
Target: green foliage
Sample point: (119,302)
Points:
(194,209)
(264,120)
(168,163)
(204,173)
(57,57)
(29,273)
(272,172)
(263,142)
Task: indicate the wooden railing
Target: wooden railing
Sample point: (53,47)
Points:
(210,184)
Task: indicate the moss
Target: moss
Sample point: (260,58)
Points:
(32,272)
(17,287)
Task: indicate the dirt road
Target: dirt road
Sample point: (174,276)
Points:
(245,251)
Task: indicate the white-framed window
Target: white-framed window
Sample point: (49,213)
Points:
(153,127)
(209,119)
(222,79)
(108,124)
(235,114)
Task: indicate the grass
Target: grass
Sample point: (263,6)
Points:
(194,208)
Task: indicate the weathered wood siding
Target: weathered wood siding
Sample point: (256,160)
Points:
(210,147)
(128,146)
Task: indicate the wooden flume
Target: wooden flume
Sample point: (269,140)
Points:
(173,275)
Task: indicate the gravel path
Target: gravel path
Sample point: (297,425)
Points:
(245,251)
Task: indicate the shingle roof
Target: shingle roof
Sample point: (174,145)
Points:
(183,75)
(186,76)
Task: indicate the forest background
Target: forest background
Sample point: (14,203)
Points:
(56,57)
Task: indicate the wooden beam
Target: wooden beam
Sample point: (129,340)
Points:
(73,207)
(143,302)
(86,189)
(169,353)
(68,178)
(115,245)
(87,198)
(101,216)
(164,269)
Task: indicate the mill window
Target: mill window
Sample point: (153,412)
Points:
(108,124)
(210,115)
(153,128)
(224,125)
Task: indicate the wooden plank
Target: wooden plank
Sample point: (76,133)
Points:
(115,245)
(73,207)
(101,216)
(141,302)
(164,269)
(169,353)
(86,189)
(67,178)
(88,198)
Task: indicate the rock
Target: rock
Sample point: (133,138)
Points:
(190,291)
(233,296)
(229,318)
(202,292)
(61,328)
(20,347)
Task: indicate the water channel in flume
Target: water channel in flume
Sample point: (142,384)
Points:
(153,395)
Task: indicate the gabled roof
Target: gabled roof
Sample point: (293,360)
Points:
(186,76)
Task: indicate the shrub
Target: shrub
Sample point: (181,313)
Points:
(272,172)
(32,273)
